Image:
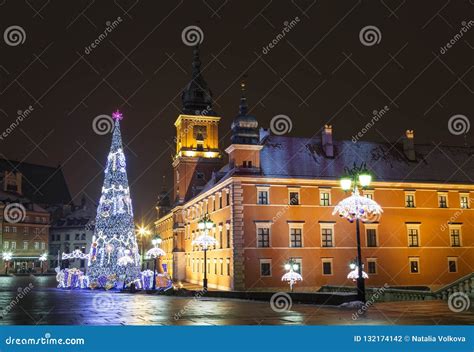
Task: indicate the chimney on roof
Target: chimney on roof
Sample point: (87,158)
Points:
(409,145)
(326,140)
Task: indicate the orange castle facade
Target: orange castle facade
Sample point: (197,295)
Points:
(274,198)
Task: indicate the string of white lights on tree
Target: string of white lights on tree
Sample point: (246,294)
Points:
(114,252)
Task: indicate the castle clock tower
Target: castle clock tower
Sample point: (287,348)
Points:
(197,139)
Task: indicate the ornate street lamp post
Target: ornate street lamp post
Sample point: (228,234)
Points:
(7,256)
(358,208)
(205,241)
(154,253)
(143,232)
(292,277)
(42,259)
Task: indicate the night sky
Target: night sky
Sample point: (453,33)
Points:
(319,72)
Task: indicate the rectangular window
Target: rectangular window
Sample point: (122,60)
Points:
(443,200)
(371,266)
(215,266)
(327,237)
(263,237)
(14,229)
(227,262)
(67,237)
(327,266)
(325,198)
(410,199)
(221,243)
(464,201)
(25,244)
(414,265)
(227,194)
(5,245)
(13,245)
(455,235)
(221,264)
(452,264)
(262,197)
(296,238)
(413,240)
(265,267)
(43,246)
(6,229)
(37,245)
(371,238)
(294,197)
(220,201)
(26,230)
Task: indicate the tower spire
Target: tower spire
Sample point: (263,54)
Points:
(243,106)
(245,126)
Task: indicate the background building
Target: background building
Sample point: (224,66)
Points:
(273,200)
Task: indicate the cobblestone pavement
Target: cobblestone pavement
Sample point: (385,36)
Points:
(47,305)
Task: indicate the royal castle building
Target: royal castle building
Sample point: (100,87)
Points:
(271,198)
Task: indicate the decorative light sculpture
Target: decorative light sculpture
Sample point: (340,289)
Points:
(358,208)
(155,253)
(205,241)
(292,277)
(7,257)
(75,254)
(43,257)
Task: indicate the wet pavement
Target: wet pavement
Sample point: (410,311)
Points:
(44,304)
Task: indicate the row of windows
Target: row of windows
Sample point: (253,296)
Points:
(263,197)
(327,266)
(214,203)
(12,245)
(26,230)
(67,237)
(327,236)
(223,240)
(39,219)
(214,266)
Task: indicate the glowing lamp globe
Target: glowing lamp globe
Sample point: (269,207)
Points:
(346,183)
(287,266)
(365,179)
(201,225)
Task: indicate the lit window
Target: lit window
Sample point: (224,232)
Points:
(414,265)
(25,245)
(37,245)
(13,245)
(413,237)
(452,264)
(5,245)
(265,267)
(443,200)
(464,201)
(327,266)
(325,198)
(262,195)
(410,199)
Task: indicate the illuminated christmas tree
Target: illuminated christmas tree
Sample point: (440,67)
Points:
(114,253)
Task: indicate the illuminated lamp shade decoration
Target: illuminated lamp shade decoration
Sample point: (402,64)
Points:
(354,274)
(292,277)
(358,207)
(114,251)
(75,254)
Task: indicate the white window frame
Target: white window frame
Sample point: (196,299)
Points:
(263,189)
(294,190)
(6,244)
(327,226)
(464,194)
(410,193)
(321,192)
(327,260)
(376,228)
(295,225)
(265,225)
(414,259)
(265,261)
(455,227)
(372,260)
(413,227)
(13,245)
(453,259)
(25,245)
(443,194)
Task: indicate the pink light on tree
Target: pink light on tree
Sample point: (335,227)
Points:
(117,115)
